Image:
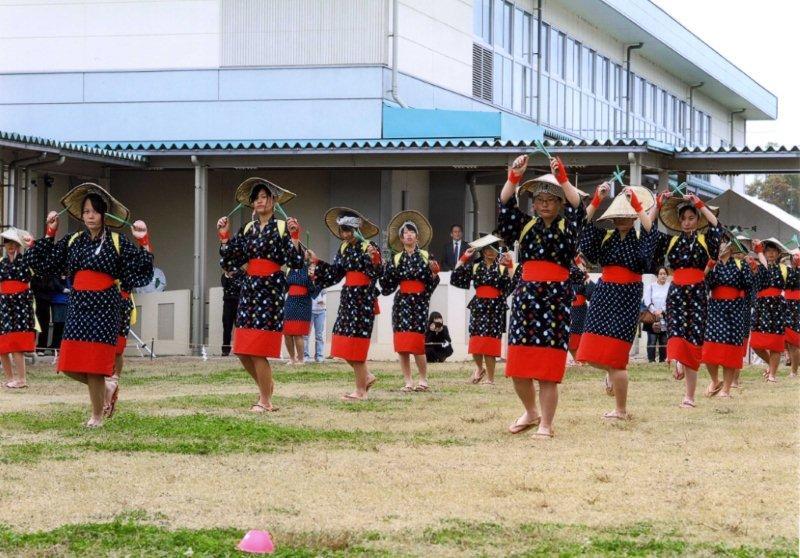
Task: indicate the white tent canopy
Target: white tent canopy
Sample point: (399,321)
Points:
(748,211)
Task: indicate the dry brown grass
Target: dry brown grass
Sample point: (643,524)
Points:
(725,471)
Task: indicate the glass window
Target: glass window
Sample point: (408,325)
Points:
(507,11)
(519,98)
(546,47)
(708,129)
(527,46)
(518,34)
(598,75)
(507,79)
(482,19)
(554,52)
(569,64)
(587,68)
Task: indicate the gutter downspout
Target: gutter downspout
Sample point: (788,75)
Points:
(27,219)
(199,257)
(11,199)
(471,179)
(395,26)
(691,110)
(629,87)
(539,62)
(740,111)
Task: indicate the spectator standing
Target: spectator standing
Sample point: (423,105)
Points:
(231,286)
(453,249)
(318,313)
(655,300)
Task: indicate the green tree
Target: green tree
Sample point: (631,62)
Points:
(782,190)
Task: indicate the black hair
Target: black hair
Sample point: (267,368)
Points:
(97,202)
(410,226)
(684,208)
(435,316)
(257,190)
(454,225)
(660,268)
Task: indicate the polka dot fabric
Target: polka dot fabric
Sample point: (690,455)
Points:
(793,307)
(298,307)
(580,286)
(538,335)
(487,317)
(16,309)
(770,312)
(410,310)
(726,331)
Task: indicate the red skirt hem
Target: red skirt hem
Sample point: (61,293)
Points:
(484,345)
(722,354)
(257,342)
(86,357)
(409,342)
(17,342)
(122,342)
(296,327)
(768,341)
(603,350)
(574,341)
(537,363)
(792,337)
(350,348)
(684,352)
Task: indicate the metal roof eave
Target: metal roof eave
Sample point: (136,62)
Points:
(16,142)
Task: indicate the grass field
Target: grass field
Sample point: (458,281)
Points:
(184,470)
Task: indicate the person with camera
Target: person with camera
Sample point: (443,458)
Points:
(655,324)
(438,345)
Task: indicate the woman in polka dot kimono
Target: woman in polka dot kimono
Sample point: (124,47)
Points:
(359,263)
(538,335)
(624,254)
(264,245)
(17,321)
(687,254)
(95,260)
(414,275)
(792,296)
(768,339)
(582,290)
(729,282)
(297,311)
(492,278)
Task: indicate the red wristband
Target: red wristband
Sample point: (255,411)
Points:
(758,248)
(51,233)
(376,258)
(635,203)
(711,264)
(144,241)
(464,258)
(223,235)
(435,267)
(660,200)
(596,200)
(315,261)
(561,172)
(295,234)
(699,204)
(514,178)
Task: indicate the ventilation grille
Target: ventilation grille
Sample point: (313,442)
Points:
(481,73)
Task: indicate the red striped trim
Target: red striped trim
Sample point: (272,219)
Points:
(13,287)
(412,286)
(356,279)
(770,292)
(350,348)
(487,291)
(722,354)
(86,357)
(298,290)
(537,363)
(768,341)
(684,352)
(122,342)
(257,342)
(726,293)
(17,342)
(409,342)
(603,351)
(258,267)
(86,280)
(620,275)
(296,327)
(792,337)
(688,276)
(543,271)
(484,345)
(579,300)
(574,341)
(791,294)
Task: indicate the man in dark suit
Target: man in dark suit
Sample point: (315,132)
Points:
(453,249)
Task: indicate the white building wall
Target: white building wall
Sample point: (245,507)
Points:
(94,35)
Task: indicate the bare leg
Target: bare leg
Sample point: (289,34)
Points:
(80,377)
(727,381)
(478,367)
(264,381)
(763,354)
(97,393)
(527,395)
(691,385)
(548,394)
(422,368)
(8,372)
(288,340)
(299,348)
(774,362)
(794,356)
(736,374)
(619,380)
(713,372)
(247,362)
(491,364)
(405,368)
(362,378)
(113,381)
(19,368)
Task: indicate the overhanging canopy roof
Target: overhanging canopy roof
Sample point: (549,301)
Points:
(747,211)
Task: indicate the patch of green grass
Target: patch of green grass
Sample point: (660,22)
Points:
(189,434)
(128,537)
(32,452)
(547,539)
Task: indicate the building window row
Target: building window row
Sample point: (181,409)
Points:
(582,91)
